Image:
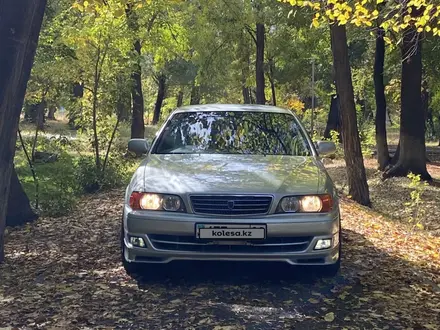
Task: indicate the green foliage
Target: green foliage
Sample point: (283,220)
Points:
(117,173)
(368,138)
(58,187)
(334,137)
(415,205)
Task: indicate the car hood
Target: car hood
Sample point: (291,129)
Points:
(214,173)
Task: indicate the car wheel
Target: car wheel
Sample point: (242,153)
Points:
(132,269)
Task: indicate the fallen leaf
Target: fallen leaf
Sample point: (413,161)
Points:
(329,317)
(313,301)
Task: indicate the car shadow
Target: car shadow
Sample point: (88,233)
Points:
(369,277)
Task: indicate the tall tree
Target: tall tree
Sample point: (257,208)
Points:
(272,80)
(383,156)
(161,80)
(333,121)
(357,179)
(259,64)
(20,27)
(137,96)
(412,151)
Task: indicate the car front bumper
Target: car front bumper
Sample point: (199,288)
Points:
(291,238)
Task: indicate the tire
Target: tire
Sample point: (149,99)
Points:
(132,269)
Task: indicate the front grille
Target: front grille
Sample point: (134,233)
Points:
(231,205)
(192,244)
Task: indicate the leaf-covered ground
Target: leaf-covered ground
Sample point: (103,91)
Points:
(65,273)
(390,197)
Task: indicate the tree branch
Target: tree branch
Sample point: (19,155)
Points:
(251,32)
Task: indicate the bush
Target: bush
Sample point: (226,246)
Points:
(117,173)
(368,138)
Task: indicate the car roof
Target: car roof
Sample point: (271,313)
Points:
(231,107)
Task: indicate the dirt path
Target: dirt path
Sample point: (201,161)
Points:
(65,273)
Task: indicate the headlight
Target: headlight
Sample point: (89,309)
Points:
(150,202)
(306,204)
(171,203)
(156,202)
(289,204)
(311,204)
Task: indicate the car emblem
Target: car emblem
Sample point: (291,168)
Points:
(231,205)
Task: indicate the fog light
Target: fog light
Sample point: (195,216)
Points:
(137,241)
(323,244)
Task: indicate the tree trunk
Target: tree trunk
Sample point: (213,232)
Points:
(19,31)
(430,122)
(383,156)
(412,155)
(78,90)
(272,81)
(161,83)
(40,120)
(179,99)
(245,54)
(395,158)
(51,113)
(246,95)
(75,113)
(357,179)
(95,109)
(259,66)
(19,210)
(123,103)
(137,124)
(333,122)
(195,95)
(244,89)
(39,126)
(123,107)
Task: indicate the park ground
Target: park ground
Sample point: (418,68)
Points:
(65,273)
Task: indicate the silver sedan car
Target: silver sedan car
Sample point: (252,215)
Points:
(231,183)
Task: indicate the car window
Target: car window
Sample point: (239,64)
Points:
(259,133)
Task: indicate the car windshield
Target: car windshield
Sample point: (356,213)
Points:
(234,132)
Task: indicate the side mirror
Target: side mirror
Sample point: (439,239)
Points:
(138,146)
(325,148)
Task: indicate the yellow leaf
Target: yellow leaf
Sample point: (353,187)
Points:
(329,317)
(420,29)
(380,1)
(387,40)
(375,13)
(427,28)
(420,226)
(315,23)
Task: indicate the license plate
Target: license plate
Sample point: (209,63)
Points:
(230,232)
